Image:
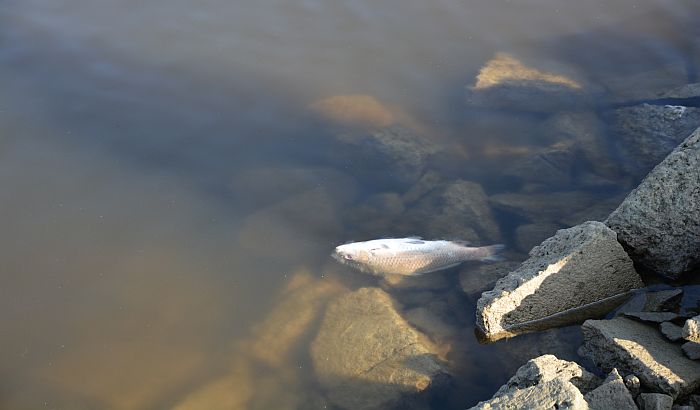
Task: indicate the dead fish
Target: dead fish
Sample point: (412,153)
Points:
(411,256)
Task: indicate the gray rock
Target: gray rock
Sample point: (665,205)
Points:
(543,207)
(426,184)
(659,221)
(456,210)
(692,350)
(554,394)
(647,133)
(654,401)
(579,273)
(546,368)
(366,356)
(663,301)
(612,394)
(637,348)
(476,278)
(552,166)
(677,407)
(587,131)
(402,155)
(683,91)
(633,384)
(671,331)
(530,235)
(691,329)
(656,317)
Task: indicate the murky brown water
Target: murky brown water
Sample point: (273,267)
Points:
(171,192)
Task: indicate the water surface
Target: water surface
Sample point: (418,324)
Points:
(165,179)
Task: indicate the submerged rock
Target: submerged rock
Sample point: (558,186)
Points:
(387,156)
(579,273)
(456,210)
(552,166)
(366,356)
(543,207)
(640,349)
(504,82)
(612,394)
(659,221)
(234,391)
(647,133)
(544,383)
(530,235)
(354,110)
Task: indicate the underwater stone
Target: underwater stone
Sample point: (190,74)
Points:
(366,356)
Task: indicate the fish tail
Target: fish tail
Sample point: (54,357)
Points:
(491,253)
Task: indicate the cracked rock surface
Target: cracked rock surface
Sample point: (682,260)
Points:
(366,356)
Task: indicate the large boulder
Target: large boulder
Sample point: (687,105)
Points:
(366,356)
(579,273)
(659,221)
(647,133)
(634,347)
(544,382)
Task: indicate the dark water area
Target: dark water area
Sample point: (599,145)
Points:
(176,175)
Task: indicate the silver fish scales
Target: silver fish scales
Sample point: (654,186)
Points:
(410,256)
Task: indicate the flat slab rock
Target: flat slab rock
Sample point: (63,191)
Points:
(638,348)
(579,273)
(366,356)
(692,350)
(656,317)
(659,221)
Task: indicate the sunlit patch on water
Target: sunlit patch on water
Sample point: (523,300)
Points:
(175,178)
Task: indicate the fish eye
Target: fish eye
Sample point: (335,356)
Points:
(348,256)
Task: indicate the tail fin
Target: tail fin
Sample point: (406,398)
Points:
(491,253)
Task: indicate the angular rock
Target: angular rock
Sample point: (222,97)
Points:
(637,348)
(654,401)
(543,207)
(671,331)
(366,356)
(656,317)
(530,235)
(506,83)
(659,221)
(546,368)
(579,273)
(691,90)
(554,394)
(475,279)
(692,350)
(456,210)
(691,329)
(401,155)
(647,133)
(233,391)
(612,394)
(663,301)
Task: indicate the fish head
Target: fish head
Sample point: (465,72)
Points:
(353,254)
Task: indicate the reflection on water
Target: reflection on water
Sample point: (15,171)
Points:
(175,177)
